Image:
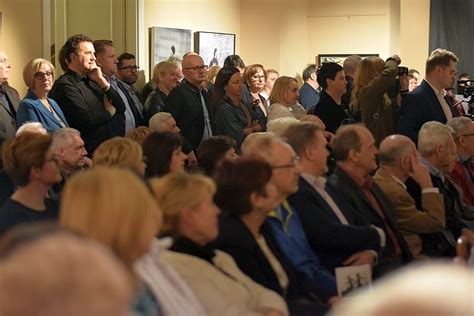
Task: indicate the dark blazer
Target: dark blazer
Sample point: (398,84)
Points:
(155,102)
(139,121)
(255,111)
(184,103)
(235,239)
(349,191)
(81,101)
(331,113)
(420,106)
(7,118)
(32,110)
(332,241)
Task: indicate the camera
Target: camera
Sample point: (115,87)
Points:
(466,88)
(402,71)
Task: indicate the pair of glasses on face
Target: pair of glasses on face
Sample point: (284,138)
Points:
(293,164)
(258,77)
(197,68)
(130,68)
(40,75)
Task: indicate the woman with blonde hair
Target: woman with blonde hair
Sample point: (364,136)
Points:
(370,96)
(138,134)
(38,75)
(284,99)
(120,152)
(191,218)
(166,78)
(116,208)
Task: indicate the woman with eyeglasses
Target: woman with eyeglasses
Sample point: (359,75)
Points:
(284,99)
(166,78)
(254,78)
(38,75)
(232,117)
(32,166)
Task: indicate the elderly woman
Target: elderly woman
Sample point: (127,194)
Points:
(166,78)
(120,152)
(38,75)
(191,218)
(31,165)
(116,208)
(232,118)
(246,195)
(163,154)
(370,98)
(254,79)
(284,99)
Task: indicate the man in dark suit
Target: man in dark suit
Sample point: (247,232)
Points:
(189,104)
(89,102)
(355,152)
(427,102)
(338,235)
(9,101)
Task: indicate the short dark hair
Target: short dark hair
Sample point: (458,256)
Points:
(222,80)
(347,138)
(158,150)
(236,180)
(440,57)
(234,61)
(308,71)
(71,47)
(300,136)
(124,56)
(211,151)
(327,71)
(99,45)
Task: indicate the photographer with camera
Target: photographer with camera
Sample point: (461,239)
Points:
(427,102)
(370,96)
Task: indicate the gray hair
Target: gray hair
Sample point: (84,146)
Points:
(279,126)
(459,124)
(31,127)
(157,121)
(433,134)
(259,144)
(63,137)
(350,64)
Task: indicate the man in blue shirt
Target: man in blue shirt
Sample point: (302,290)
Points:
(309,91)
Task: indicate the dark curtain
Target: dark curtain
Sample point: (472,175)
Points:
(452,28)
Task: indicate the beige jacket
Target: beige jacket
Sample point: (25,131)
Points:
(223,289)
(278,110)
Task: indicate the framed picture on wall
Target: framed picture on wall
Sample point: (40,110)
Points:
(166,42)
(214,47)
(338,58)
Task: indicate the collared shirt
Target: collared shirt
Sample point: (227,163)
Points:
(129,118)
(444,105)
(427,190)
(432,169)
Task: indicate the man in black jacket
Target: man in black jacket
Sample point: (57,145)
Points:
(87,100)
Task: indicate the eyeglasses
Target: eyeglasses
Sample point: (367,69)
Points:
(3,60)
(466,135)
(196,68)
(40,75)
(258,77)
(293,164)
(130,67)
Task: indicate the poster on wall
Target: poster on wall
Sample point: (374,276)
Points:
(166,42)
(214,47)
(338,58)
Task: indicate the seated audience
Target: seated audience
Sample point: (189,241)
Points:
(438,153)
(330,108)
(370,96)
(284,99)
(272,76)
(337,234)
(31,127)
(163,154)
(246,195)
(191,218)
(232,117)
(138,134)
(279,126)
(70,275)
(399,160)
(120,152)
(463,172)
(165,76)
(354,149)
(309,91)
(213,151)
(254,83)
(32,166)
(38,75)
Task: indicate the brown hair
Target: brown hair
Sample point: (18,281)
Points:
(347,138)
(138,134)
(440,57)
(368,69)
(250,71)
(300,136)
(280,89)
(119,152)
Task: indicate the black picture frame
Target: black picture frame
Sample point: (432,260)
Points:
(214,47)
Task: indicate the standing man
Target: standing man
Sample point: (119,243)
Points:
(309,91)
(89,102)
(127,69)
(107,61)
(427,102)
(190,104)
(9,101)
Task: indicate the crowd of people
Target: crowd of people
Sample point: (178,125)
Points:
(230,190)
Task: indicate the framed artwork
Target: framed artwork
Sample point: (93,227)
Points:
(338,58)
(166,42)
(214,47)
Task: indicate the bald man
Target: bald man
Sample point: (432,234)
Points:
(399,160)
(189,104)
